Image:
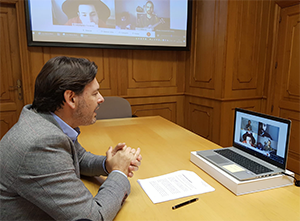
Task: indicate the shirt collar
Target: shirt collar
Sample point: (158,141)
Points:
(69,131)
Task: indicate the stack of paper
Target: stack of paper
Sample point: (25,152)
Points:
(174,185)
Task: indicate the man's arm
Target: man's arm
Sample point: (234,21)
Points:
(90,164)
(47,178)
(94,165)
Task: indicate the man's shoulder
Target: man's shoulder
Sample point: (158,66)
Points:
(33,126)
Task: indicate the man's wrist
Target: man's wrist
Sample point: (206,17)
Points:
(118,171)
(105,170)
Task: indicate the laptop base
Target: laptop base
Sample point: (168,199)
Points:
(241,187)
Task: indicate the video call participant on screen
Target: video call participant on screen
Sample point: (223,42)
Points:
(149,20)
(86,12)
(41,160)
(249,139)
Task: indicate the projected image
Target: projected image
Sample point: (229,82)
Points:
(132,22)
(86,13)
(130,14)
(89,13)
(148,18)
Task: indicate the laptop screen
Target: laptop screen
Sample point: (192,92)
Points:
(263,136)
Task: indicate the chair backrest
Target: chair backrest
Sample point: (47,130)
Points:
(114,107)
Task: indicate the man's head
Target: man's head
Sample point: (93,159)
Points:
(149,7)
(58,75)
(70,83)
(73,8)
(88,14)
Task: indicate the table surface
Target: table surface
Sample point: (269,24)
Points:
(166,148)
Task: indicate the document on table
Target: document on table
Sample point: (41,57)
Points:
(174,185)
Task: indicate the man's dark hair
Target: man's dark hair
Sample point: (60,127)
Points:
(58,75)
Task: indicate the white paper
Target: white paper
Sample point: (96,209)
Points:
(174,185)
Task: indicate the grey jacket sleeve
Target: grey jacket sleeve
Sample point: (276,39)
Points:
(47,178)
(90,164)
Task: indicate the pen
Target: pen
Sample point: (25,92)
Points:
(185,203)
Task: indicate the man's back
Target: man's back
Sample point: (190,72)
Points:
(22,150)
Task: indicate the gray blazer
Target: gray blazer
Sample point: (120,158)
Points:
(40,171)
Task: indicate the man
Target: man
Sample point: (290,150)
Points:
(92,13)
(41,160)
(149,20)
(248,126)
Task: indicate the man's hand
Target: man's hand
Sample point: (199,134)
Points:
(117,159)
(134,164)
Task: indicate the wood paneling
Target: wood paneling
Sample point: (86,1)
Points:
(286,3)
(284,94)
(228,64)
(169,107)
(294,147)
(246,60)
(11,93)
(206,63)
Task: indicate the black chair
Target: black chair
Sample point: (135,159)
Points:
(114,107)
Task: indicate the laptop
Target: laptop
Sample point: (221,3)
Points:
(260,146)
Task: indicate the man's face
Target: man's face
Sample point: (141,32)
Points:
(88,14)
(149,8)
(88,103)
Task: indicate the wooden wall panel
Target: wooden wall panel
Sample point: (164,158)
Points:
(203,74)
(201,119)
(294,147)
(170,107)
(284,95)
(286,3)
(248,55)
(206,67)
(202,116)
(11,94)
(247,33)
(154,73)
(291,65)
(228,64)
(6,79)
(166,110)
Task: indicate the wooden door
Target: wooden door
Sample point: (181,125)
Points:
(11,97)
(285,83)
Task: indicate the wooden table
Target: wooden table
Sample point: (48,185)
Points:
(166,148)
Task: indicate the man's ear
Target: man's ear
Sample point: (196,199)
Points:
(70,98)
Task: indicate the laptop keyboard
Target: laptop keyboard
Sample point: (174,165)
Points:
(243,161)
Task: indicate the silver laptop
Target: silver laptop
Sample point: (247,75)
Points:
(260,146)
